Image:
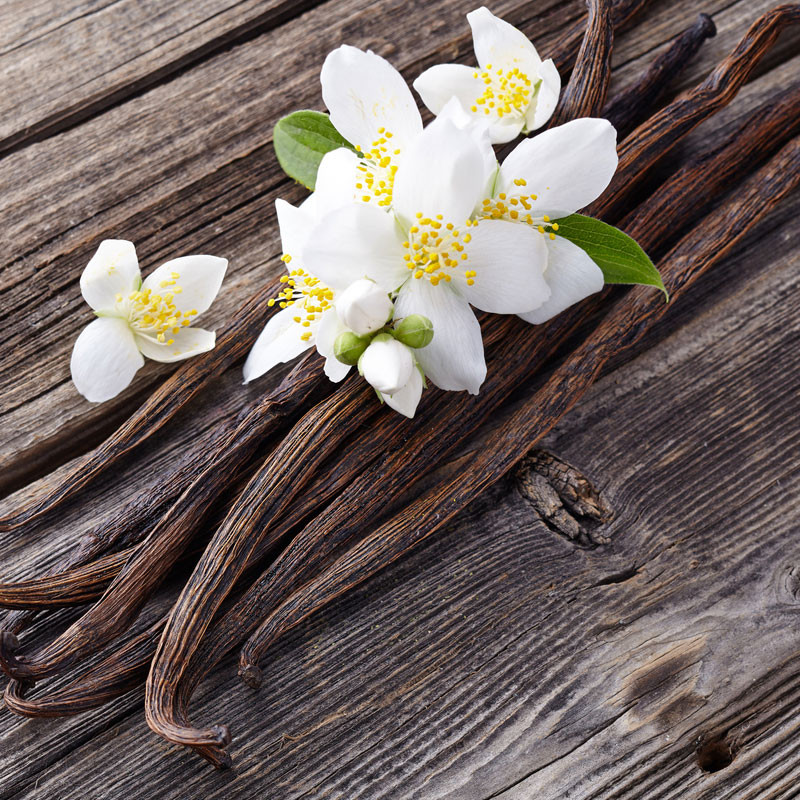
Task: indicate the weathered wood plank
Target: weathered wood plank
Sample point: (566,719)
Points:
(59,69)
(168,181)
(501,657)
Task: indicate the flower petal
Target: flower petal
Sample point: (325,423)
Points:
(441,173)
(113,270)
(407,399)
(363,93)
(104,359)
(546,97)
(278,343)
(356,241)
(572,276)
(329,328)
(500,44)
(439,84)
(567,167)
(187,342)
(454,359)
(295,224)
(199,278)
(509,259)
(336,181)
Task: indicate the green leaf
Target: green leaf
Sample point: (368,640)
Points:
(620,258)
(301,140)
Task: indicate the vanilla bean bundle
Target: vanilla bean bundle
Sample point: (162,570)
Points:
(301,488)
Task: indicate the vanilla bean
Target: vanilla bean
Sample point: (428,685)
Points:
(151,561)
(267,495)
(587,88)
(122,671)
(628,321)
(764,132)
(68,588)
(630,108)
(565,49)
(656,137)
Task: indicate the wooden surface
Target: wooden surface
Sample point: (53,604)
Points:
(501,659)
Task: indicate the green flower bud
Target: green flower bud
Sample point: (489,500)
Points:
(414,331)
(349,346)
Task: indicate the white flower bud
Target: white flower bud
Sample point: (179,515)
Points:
(363,307)
(387,364)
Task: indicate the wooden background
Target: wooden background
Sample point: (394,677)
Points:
(501,659)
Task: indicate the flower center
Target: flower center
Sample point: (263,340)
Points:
(436,248)
(505,91)
(150,312)
(377,170)
(306,293)
(517,208)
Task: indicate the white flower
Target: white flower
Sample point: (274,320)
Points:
(545,178)
(512,87)
(433,254)
(135,319)
(364,307)
(371,105)
(307,317)
(389,366)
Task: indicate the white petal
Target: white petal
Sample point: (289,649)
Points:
(112,270)
(439,84)
(478,129)
(105,359)
(199,278)
(572,275)
(329,328)
(454,359)
(187,342)
(295,224)
(336,181)
(507,128)
(567,167)
(278,343)
(441,173)
(546,97)
(363,93)
(357,241)
(387,364)
(510,259)
(407,399)
(500,44)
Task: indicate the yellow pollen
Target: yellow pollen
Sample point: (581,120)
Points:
(505,92)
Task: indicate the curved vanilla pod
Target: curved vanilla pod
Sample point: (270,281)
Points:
(629,319)
(631,107)
(154,557)
(655,138)
(270,491)
(565,49)
(232,344)
(586,91)
(67,588)
(123,670)
(762,134)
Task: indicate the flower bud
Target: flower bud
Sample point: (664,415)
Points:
(414,331)
(386,364)
(349,346)
(364,307)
